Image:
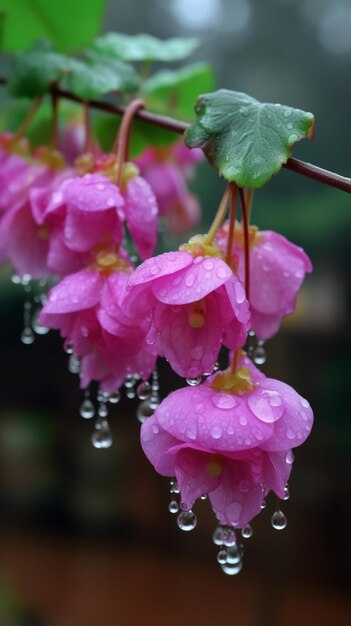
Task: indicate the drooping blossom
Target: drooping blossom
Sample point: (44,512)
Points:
(23,242)
(277,270)
(168,171)
(87,309)
(194,304)
(231,438)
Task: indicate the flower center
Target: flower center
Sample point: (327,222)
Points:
(198,247)
(239,382)
(107,262)
(214,467)
(196,318)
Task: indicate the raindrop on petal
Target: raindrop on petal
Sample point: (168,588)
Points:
(187,520)
(279,520)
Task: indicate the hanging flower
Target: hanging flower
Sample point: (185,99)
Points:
(277,270)
(230,438)
(194,304)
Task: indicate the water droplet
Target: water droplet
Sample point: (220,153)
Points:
(263,504)
(130,393)
(68,347)
(279,520)
(144,411)
(144,390)
(228,536)
(129,381)
(233,554)
(290,126)
(222,557)
(187,520)
(15,279)
(216,432)
(114,397)
(287,113)
(74,364)
(173,506)
(293,137)
(27,336)
(193,382)
(102,435)
(102,410)
(204,497)
(286,492)
(246,532)
(232,569)
(173,486)
(216,367)
(224,400)
(87,409)
(37,327)
(289,458)
(259,355)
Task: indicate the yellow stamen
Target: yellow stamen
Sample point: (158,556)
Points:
(238,383)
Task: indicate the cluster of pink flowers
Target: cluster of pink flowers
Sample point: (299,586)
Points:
(228,434)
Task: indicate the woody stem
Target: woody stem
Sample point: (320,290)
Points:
(219,217)
(246,242)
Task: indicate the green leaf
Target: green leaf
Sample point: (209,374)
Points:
(173,92)
(33,71)
(246,141)
(95,76)
(144,47)
(67,23)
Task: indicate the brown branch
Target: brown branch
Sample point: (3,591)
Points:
(168,123)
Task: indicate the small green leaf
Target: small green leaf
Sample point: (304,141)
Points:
(144,47)
(172,92)
(67,23)
(245,140)
(34,71)
(96,76)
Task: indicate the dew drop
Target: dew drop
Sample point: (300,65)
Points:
(279,520)
(293,137)
(144,411)
(87,409)
(286,492)
(173,486)
(27,336)
(129,381)
(37,326)
(232,569)
(287,113)
(289,458)
(74,364)
(216,432)
(187,520)
(173,506)
(193,382)
(144,390)
(222,557)
(259,355)
(233,554)
(246,531)
(68,347)
(102,410)
(224,400)
(228,536)
(114,397)
(102,435)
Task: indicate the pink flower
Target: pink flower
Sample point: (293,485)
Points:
(167,171)
(194,304)
(230,438)
(87,309)
(277,270)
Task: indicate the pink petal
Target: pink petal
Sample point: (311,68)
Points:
(190,351)
(141,214)
(157,445)
(293,428)
(165,264)
(217,421)
(193,478)
(193,283)
(75,292)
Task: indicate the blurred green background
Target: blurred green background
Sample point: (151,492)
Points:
(86,537)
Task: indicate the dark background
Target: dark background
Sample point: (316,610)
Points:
(86,536)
